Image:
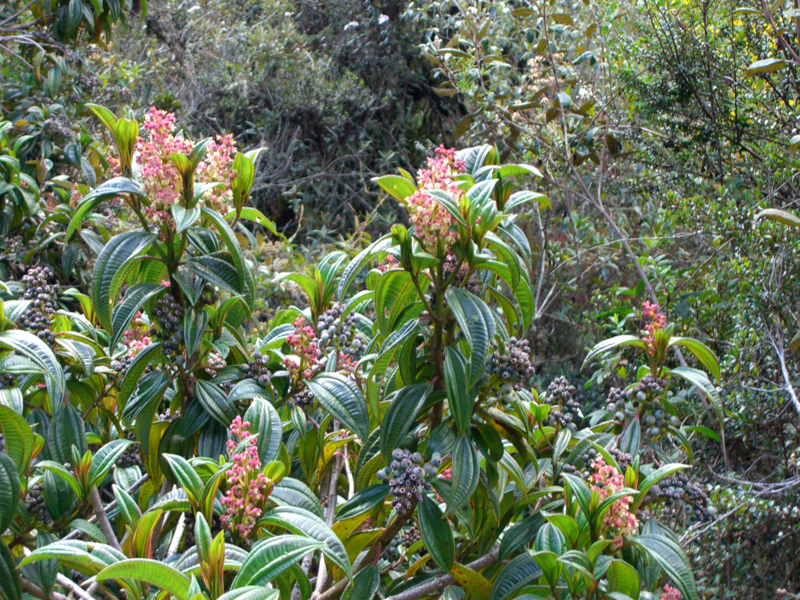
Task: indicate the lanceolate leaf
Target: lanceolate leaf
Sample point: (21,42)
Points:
(149,571)
(30,346)
(701,351)
(269,558)
(400,417)
(363,501)
(466,472)
(111,261)
(700,380)
(357,263)
(456,385)
(671,558)
(343,400)
(215,402)
(305,523)
(610,344)
(266,423)
(9,490)
(194,326)
(436,533)
(477,324)
(10,585)
(231,241)
(18,437)
(110,189)
(293,492)
(518,573)
(136,296)
(105,458)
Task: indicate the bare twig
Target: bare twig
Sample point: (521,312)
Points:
(102,519)
(111,506)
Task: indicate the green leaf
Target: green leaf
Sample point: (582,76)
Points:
(357,263)
(105,458)
(112,259)
(550,539)
(19,439)
(10,585)
(215,402)
(303,522)
(520,534)
(150,571)
(122,315)
(363,501)
(293,492)
(194,327)
(364,585)
(521,198)
(476,322)
(437,534)
(396,186)
(700,380)
(701,351)
(517,574)
(400,417)
(271,557)
(66,430)
(135,371)
(610,344)
(110,189)
(265,422)
(59,471)
(231,241)
(671,558)
(30,346)
(184,218)
(458,397)
(623,578)
(343,400)
(87,558)
(653,479)
(251,593)
(781,216)
(767,65)
(106,116)
(185,474)
(466,473)
(256,216)
(9,490)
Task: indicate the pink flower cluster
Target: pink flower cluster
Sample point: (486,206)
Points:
(670,593)
(218,167)
(606,481)
(657,320)
(160,178)
(247,485)
(432,223)
(303,345)
(136,338)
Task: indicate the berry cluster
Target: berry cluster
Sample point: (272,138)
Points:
(302,399)
(208,297)
(122,363)
(257,369)
(169,317)
(41,290)
(410,536)
(7,380)
(565,411)
(684,494)
(642,399)
(624,460)
(188,527)
(407,477)
(512,363)
(131,457)
(36,506)
(339,334)
(214,363)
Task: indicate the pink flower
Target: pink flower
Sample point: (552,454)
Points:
(657,320)
(432,223)
(248,487)
(670,593)
(618,520)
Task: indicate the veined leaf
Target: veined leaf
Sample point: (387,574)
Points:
(458,397)
(477,324)
(400,417)
(136,296)
(271,557)
(105,458)
(610,344)
(30,346)
(363,501)
(437,535)
(343,400)
(781,216)
(19,439)
(701,351)
(518,573)
(396,186)
(150,571)
(671,558)
(303,522)
(111,261)
(700,380)
(9,490)
(466,472)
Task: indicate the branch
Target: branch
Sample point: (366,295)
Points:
(112,505)
(35,590)
(102,519)
(431,587)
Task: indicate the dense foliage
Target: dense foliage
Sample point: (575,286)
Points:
(264,334)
